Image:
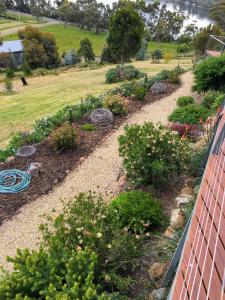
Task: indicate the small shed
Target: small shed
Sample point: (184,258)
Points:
(8,48)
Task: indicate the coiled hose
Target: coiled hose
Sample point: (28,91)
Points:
(14,181)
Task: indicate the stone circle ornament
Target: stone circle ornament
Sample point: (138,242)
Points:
(158,88)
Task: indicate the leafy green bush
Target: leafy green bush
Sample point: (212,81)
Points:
(116,104)
(10,73)
(210,74)
(183,48)
(218,102)
(138,211)
(123,72)
(88,222)
(64,137)
(185,100)
(152,155)
(8,84)
(139,93)
(210,97)
(54,274)
(174,77)
(196,162)
(88,127)
(191,114)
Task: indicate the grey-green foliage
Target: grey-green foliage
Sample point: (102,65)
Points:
(141,55)
(71,58)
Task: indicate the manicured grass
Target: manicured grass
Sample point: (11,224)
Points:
(70,36)
(46,95)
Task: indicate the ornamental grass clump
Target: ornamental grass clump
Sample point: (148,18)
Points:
(185,101)
(152,155)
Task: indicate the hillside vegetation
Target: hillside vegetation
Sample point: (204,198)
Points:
(70,37)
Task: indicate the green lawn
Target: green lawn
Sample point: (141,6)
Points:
(45,95)
(69,37)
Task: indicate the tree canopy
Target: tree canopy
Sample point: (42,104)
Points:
(217,13)
(126,30)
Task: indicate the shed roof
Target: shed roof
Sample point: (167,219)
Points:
(11,46)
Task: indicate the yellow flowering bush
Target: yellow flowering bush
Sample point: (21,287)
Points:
(152,155)
(116,104)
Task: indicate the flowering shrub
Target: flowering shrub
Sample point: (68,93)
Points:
(138,211)
(186,130)
(191,114)
(116,104)
(64,137)
(57,273)
(185,100)
(87,222)
(152,155)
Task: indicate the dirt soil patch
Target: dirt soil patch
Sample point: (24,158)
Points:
(55,166)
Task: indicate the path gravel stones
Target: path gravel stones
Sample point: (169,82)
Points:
(99,172)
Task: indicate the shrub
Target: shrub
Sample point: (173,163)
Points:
(183,48)
(54,274)
(138,211)
(157,55)
(87,222)
(88,127)
(107,56)
(167,57)
(196,162)
(122,72)
(210,74)
(219,100)
(209,98)
(116,104)
(151,155)
(186,130)
(8,84)
(141,55)
(191,114)
(10,73)
(139,93)
(71,57)
(185,100)
(86,50)
(174,77)
(64,137)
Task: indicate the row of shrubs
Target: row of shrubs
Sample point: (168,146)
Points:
(88,252)
(113,100)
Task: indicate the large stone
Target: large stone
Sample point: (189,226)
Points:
(190,182)
(187,191)
(177,220)
(158,88)
(183,200)
(158,294)
(157,271)
(170,232)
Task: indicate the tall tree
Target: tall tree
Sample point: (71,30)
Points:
(37,8)
(2,8)
(86,50)
(65,11)
(126,30)
(217,13)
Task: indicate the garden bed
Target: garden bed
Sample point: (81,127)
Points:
(56,166)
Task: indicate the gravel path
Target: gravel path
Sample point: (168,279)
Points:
(98,172)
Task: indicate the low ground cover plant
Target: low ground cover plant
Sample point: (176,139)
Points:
(139,212)
(191,114)
(123,72)
(116,104)
(88,127)
(152,155)
(210,74)
(185,100)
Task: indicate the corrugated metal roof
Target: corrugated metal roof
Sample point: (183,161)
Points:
(11,46)
(201,272)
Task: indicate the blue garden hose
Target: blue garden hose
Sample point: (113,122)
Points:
(14,181)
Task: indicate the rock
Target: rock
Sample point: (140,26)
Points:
(170,232)
(10,159)
(187,191)
(183,200)
(34,168)
(157,271)
(122,182)
(177,218)
(82,159)
(158,294)
(190,182)
(158,88)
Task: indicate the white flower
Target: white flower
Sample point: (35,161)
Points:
(137,236)
(99,235)
(80,241)
(147,234)
(109,246)
(107,277)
